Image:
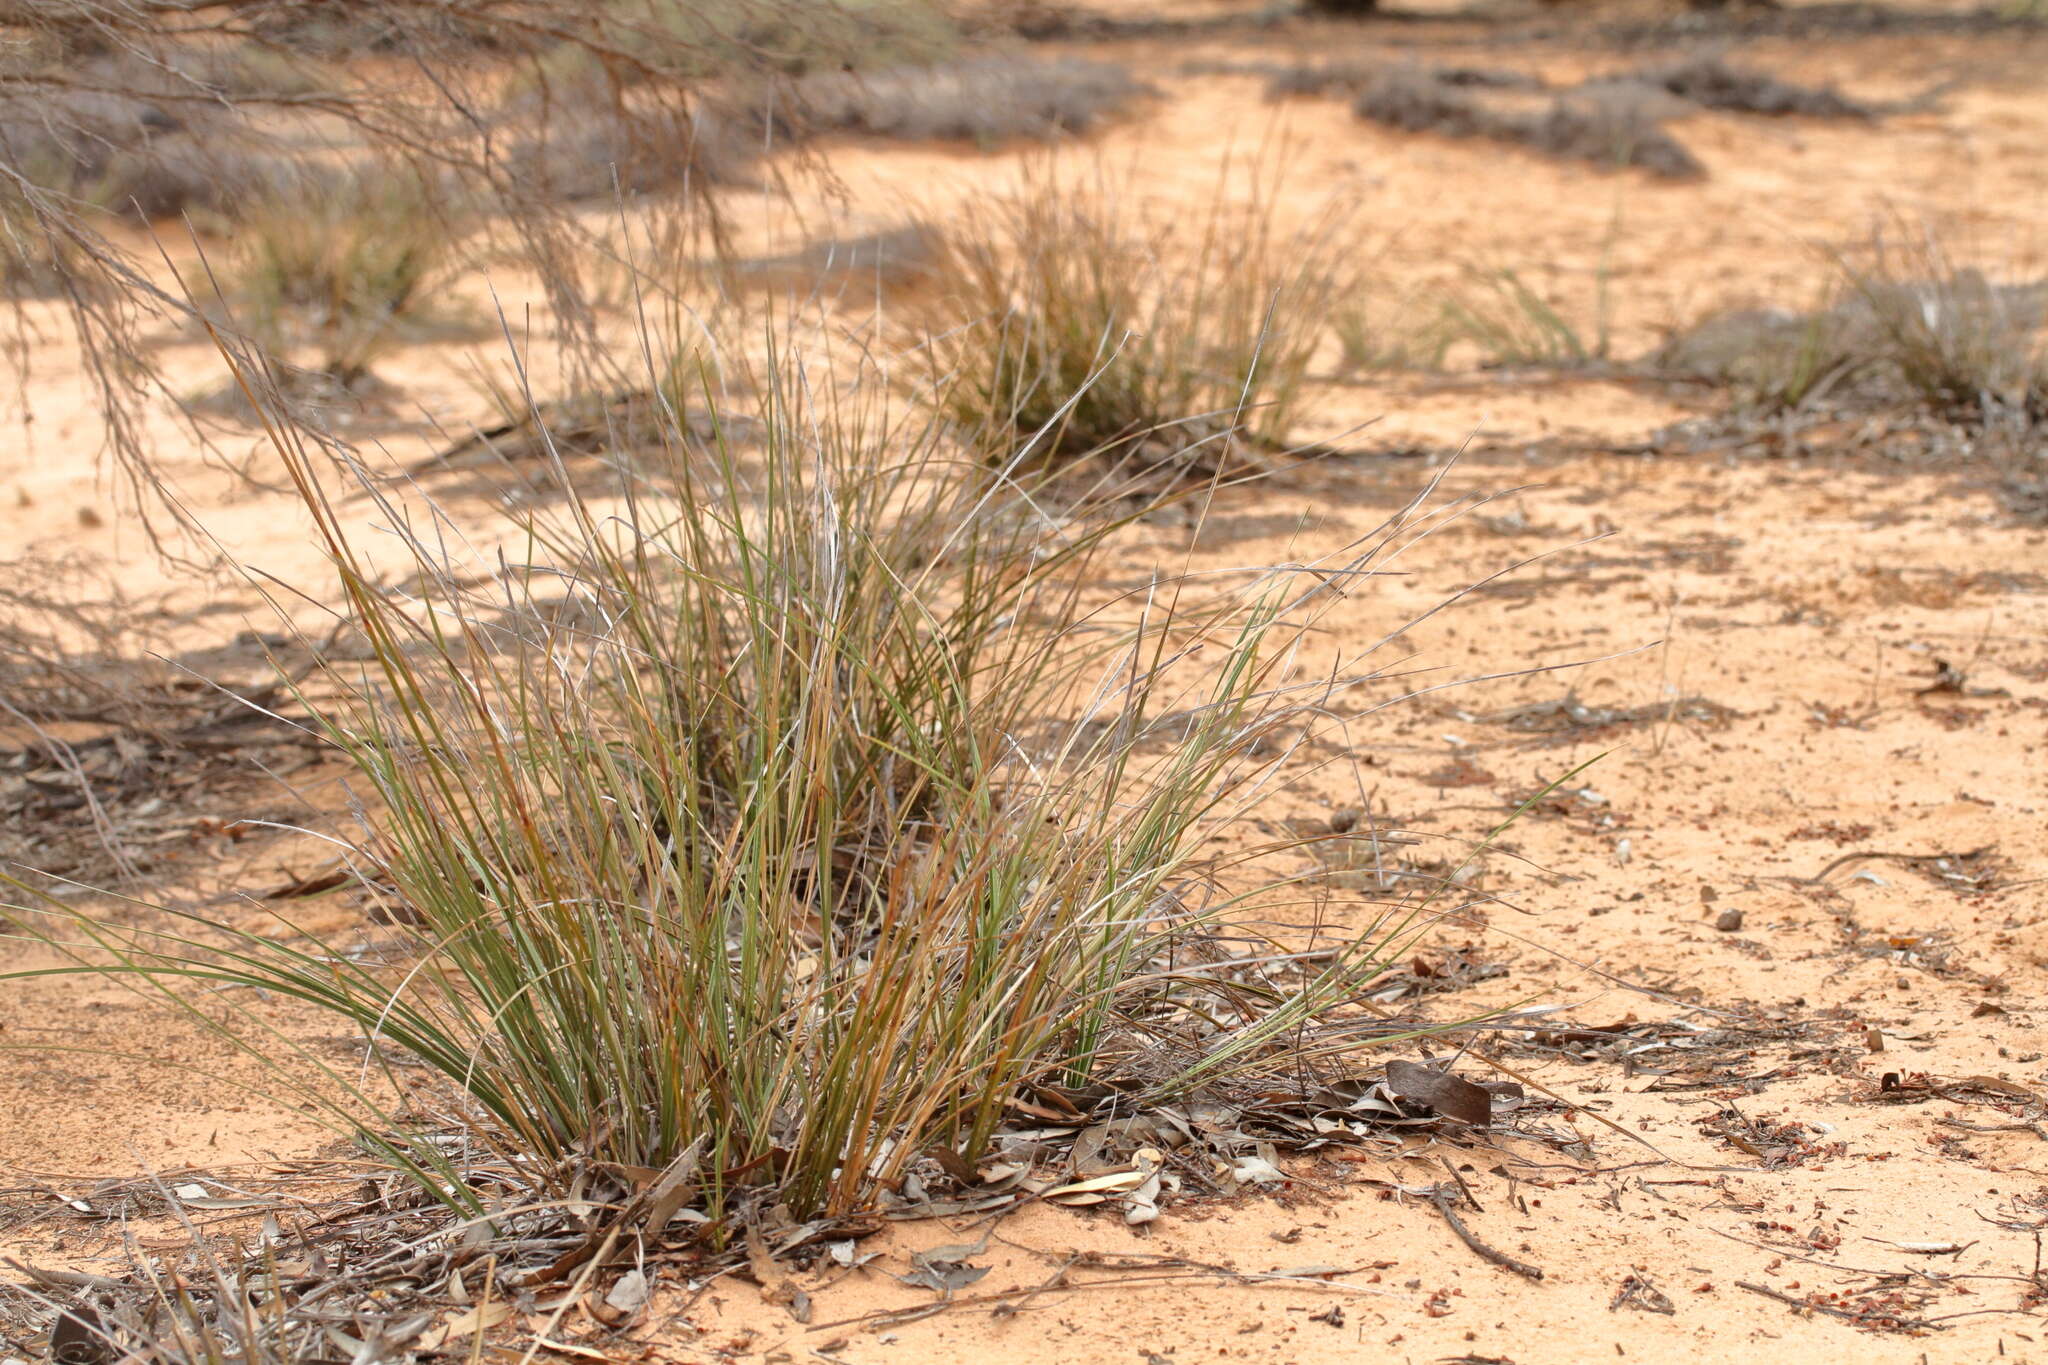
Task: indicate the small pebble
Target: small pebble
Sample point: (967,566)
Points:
(1729,920)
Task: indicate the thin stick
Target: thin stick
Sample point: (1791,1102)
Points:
(63,1279)
(1060,1283)
(1846,1315)
(1479,1248)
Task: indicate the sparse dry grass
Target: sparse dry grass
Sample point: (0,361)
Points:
(598,143)
(776,824)
(1614,124)
(1712,83)
(1489,317)
(1090,327)
(345,267)
(1901,323)
(986,99)
(1613,127)
(124,153)
(789,37)
(1613,120)
(1951,335)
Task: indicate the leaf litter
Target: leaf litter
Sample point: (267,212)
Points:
(435,1284)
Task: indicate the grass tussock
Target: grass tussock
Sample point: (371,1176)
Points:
(1348,78)
(1611,127)
(345,268)
(1948,333)
(775,824)
(1903,323)
(986,100)
(31,259)
(1612,120)
(1489,318)
(1089,326)
(327,30)
(1712,83)
(596,142)
(107,152)
(578,132)
(787,37)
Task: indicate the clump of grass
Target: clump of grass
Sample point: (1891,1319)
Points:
(126,153)
(1613,125)
(1493,318)
(789,37)
(1902,324)
(30,258)
(1710,82)
(1514,326)
(1610,127)
(602,142)
(1380,329)
(984,99)
(1348,78)
(1089,325)
(1772,359)
(346,267)
(1958,341)
(783,820)
(322,28)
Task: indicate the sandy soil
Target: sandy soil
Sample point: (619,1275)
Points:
(1826,1062)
